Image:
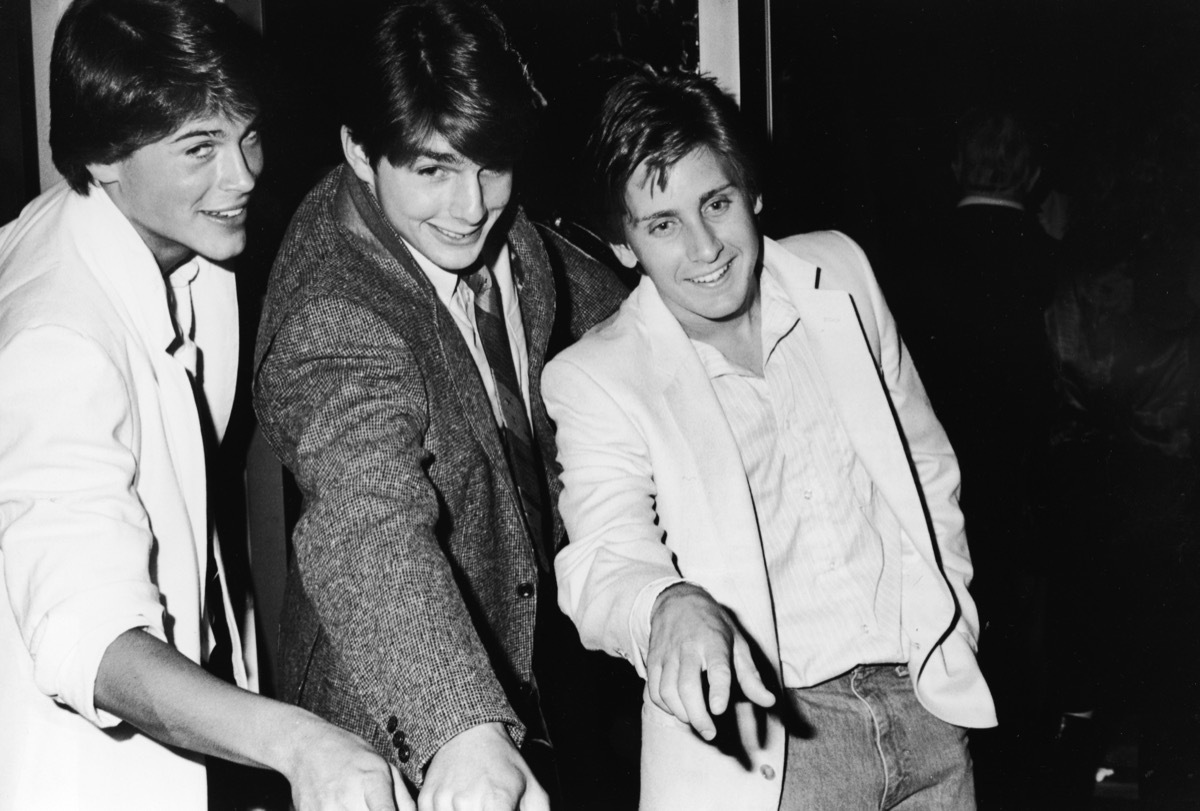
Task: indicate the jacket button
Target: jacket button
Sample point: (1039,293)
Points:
(398,739)
(403,753)
(525,590)
(767,772)
(392,723)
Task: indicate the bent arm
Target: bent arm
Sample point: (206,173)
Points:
(343,401)
(615,562)
(77,549)
(160,691)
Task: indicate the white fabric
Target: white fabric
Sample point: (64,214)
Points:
(654,489)
(454,292)
(835,580)
(103,513)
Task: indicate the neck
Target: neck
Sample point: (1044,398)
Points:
(738,338)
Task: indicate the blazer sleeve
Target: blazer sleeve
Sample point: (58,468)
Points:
(615,562)
(75,540)
(342,399)
(934,463)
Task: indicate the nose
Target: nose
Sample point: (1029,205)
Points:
(467,204)
(702,243)
(242,166)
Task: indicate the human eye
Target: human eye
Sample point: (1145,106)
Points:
(719,205)
(432,171)
(201,150)
(661,228)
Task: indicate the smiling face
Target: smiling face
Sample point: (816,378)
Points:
(696,239)
(443,203)
(186,194)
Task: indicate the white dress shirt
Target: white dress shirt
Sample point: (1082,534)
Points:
(835,582)
(454,292)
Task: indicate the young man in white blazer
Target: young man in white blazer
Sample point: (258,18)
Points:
(761,505)
(118,354)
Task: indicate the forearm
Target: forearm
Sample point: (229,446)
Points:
(157,689)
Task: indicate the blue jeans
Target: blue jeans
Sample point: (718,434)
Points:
(869,744)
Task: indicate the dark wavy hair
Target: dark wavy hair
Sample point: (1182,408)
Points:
(424,67)
(657,120)
(126,73)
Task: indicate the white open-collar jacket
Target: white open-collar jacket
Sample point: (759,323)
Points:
(654,489)
(103,509)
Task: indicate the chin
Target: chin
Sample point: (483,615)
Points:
(223,252)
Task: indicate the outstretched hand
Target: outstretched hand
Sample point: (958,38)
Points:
(691,635)
(337,771)
(480,769)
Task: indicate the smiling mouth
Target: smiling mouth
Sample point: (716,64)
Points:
(226,214)
(454,236)
(714,277)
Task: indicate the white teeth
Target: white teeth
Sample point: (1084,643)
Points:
(714,276)
(229,214)
(455,236)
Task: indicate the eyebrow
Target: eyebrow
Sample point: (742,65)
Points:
(183,136)
(704,198)
(218,132)
(441,157)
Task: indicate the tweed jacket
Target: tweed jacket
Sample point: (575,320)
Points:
(411,599)
(654,489)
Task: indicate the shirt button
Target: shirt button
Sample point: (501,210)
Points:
(525,590)
(808,494)
(767,772)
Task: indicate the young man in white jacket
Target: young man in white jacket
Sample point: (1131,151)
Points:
(761,506)
(118,352)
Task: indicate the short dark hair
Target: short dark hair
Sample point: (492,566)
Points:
(445,67)
(126,73)
(659,119)
(996,152)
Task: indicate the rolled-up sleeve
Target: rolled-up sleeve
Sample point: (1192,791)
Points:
(76,541)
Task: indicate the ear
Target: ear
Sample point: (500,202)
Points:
(758,204)
(357,158)
(105,172)
(624,254)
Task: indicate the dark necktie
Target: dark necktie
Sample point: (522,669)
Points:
(185,351)
(516,434)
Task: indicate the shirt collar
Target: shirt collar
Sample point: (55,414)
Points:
(117,252)
(446,284)
(988,200)
(779,317)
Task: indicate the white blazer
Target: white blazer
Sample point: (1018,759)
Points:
(103,513)
(654,489)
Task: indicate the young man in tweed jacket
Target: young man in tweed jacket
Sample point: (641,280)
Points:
(421,561)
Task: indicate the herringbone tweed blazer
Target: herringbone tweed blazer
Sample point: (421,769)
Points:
(409,614)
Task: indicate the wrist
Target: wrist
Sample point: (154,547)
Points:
(290,734)
(676,593)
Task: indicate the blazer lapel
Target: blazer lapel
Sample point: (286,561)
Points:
(690,400)
(460,366)
(832,324)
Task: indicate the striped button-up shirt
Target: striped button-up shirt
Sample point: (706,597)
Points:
(835,578)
